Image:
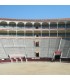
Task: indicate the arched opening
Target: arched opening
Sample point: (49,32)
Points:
(12,24)
(37,25)
(53,25)
(61,25)
(45,25)
(3,23)
(20,24)
(68,24)
(28,25)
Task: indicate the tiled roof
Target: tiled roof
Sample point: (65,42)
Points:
(37,20)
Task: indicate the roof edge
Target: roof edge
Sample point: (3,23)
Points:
(54,19)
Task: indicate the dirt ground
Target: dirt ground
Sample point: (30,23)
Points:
(35,68)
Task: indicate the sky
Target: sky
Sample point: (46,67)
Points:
(34,11)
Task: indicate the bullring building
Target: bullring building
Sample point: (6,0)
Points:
(34,39)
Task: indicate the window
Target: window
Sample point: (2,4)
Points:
(37,44)
(37,54)
(37,35)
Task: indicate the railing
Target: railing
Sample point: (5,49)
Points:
(33,28)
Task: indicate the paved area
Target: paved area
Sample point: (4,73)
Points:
(35,68)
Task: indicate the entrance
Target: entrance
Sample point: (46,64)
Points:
(57,57)
(37,54)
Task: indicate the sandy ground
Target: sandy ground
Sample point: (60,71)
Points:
(35,68)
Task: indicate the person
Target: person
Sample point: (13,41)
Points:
(8,56)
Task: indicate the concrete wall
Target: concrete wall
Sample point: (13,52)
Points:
(26,47)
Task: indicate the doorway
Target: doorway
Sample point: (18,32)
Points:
(57,57)
(37,54)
